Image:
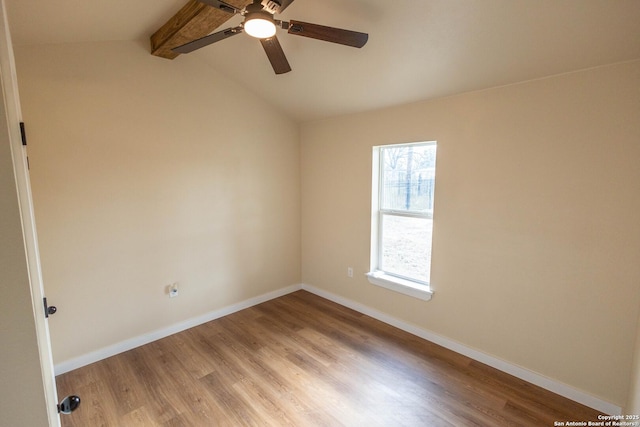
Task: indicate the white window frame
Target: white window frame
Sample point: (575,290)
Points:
(376,275)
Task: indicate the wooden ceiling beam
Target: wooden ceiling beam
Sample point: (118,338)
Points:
(193,21)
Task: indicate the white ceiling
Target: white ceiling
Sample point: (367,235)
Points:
(417,49)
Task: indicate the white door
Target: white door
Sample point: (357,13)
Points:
(24,319)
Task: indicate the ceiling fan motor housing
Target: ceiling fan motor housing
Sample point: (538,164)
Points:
(272,6)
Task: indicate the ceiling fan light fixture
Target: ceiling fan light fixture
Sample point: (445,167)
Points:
(259,25)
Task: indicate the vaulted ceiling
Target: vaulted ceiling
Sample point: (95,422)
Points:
(417,49)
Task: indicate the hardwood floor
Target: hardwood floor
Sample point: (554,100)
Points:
(301,360)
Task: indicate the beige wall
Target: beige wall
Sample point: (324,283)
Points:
(536,230)
(633,401)
(146,172)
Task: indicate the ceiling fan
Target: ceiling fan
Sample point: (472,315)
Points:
(259,22)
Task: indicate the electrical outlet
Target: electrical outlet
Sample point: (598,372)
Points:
(173,290)
(350,271)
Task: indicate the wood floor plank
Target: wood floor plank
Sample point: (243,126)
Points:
(301,360)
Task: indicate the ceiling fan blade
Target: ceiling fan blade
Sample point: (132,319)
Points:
(207,40)
(276,55)
(221,5)
(328,34)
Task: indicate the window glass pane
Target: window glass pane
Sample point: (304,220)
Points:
(406,246)
(408,176)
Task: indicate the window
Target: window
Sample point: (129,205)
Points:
(402,217)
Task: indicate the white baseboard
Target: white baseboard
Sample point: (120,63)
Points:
(502,365)
(112,350)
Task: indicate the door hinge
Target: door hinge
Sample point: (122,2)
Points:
(23,133)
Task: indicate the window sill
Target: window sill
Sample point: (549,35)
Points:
(403,286)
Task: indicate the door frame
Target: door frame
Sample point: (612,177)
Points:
(13,117)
